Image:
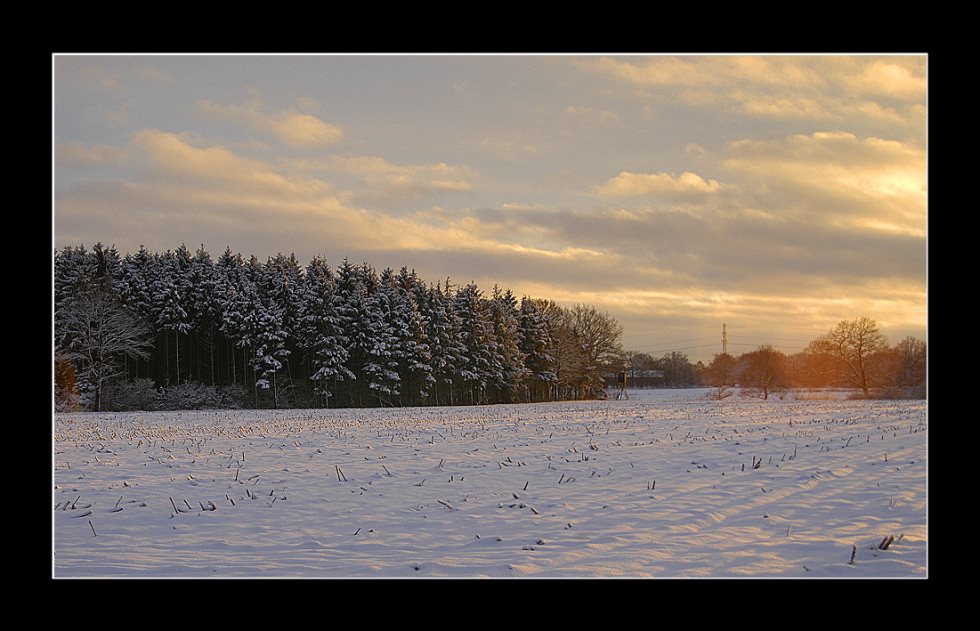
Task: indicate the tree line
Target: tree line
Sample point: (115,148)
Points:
(853,354)
(181,330)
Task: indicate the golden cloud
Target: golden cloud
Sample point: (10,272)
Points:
(891,77)
(303,130)
(591,114)
(382,176)
(823,87)
(293,129)
(209,182)
(877,184)
(169,155)
(628,184)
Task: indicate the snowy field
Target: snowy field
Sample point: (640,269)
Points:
(665,484)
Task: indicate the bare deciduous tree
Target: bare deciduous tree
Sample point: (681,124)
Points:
(721,371)
(855,346)
(96,333)
(599,335)
(586,344)
(910,358)
(764,368)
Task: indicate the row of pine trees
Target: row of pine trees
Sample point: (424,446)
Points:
(313,336)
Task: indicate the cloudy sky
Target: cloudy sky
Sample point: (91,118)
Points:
(776,194)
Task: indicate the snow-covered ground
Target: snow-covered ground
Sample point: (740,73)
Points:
(665,484)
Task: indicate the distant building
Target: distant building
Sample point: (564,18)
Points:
(636,379)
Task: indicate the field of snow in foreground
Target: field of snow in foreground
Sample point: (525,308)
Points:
(661,485)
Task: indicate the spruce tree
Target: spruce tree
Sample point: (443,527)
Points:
(384,349)
(319,332)
(275,316)
(448,351)
(537,346)
(477,337)
(170,292)
(134,286)
(415,360)
(506,328)
(351,308)
(231,301)
(204,309)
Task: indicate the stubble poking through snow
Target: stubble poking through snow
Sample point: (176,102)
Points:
(664,485)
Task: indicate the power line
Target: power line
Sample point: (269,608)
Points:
(694,339)
(774,345)
(686,348)
(725,334)
(681,348)
(780,339)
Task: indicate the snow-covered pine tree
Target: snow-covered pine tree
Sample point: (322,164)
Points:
(506,327)
(76,271)
(278,282)
(445,345)
(568,360)
(415,363)
(476,334)
(204,310)
(426,303)
(73,270)
(384,349)
(134,286)
(319,332)
(107,262)
(230,301)
(183,283)
(170,292)
(353,314)
(537,346)
(292,300)
(252,312)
